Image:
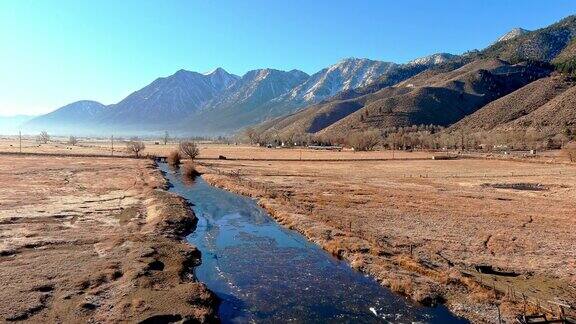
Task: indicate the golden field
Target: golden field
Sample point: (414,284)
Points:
(425,228)
(478,231)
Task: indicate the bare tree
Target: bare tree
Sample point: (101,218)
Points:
(166,137)
(135,146)
(72,140)
(365,141)
(288,139)
(189,149)
(43,137)
(252,135)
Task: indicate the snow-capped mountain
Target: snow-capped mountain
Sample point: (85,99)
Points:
(221,79)
(247,100)
(170,99)
(433,59)
(259,86)
(280,93)
(347,74)
(220,102)
(512,34)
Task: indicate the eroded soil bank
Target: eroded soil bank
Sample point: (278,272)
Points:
(434,232)
(95,240)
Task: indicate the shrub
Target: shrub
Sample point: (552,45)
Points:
(189,149)
(189,172)
(567,67)
(401,285)
(174,158)
(135,146)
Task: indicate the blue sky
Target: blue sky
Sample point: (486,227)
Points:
(59,51)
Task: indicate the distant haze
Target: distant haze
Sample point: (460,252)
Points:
(10,125)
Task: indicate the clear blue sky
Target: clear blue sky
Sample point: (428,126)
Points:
(59,51)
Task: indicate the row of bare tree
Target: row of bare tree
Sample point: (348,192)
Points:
(398,138)
(420,137)
(44,138)
(186,148)
(134,146)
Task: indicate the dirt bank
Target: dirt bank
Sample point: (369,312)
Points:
(95,240)
(428,229)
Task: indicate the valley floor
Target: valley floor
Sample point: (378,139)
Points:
(99,238)
(94,240)
(448,230)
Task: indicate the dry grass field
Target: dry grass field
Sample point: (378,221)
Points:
(207,150)
(94,240)
(210,150)
(426,227)
(472,232)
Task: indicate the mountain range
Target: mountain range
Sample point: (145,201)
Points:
(219,103)
(477,89)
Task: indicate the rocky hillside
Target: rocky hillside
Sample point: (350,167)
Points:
(436,96)
(512,34)
(345,75)
(247,101)
(544,44)
(434,59)
(546,105)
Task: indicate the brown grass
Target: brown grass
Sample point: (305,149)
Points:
(374,213)
(213,150)
(189,172)
(80,237)
(402,286)
(174,158)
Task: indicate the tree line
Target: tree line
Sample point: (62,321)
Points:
(419,137)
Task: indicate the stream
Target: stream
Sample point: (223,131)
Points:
(263,272)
